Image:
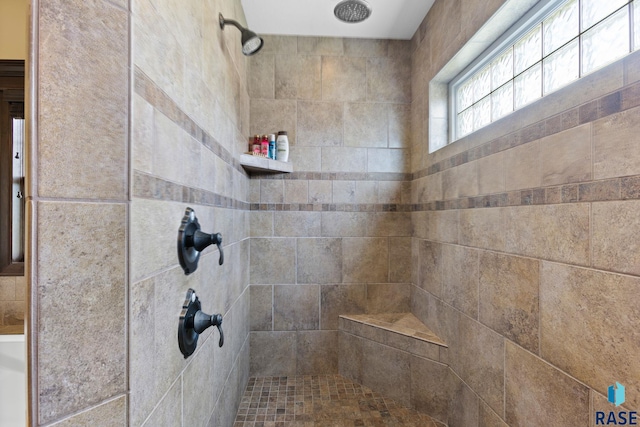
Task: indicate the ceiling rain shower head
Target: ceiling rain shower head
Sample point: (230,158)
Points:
(352,11)
(251,42)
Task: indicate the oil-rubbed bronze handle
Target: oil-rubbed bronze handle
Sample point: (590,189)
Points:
(193,322)
(192,241)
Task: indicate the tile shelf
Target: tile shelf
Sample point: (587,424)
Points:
(263,165)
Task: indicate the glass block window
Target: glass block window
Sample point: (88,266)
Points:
(559,42)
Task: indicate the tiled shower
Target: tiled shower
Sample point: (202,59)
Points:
(516,245)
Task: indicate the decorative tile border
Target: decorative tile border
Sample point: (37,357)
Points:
(331,207)
(155,96)
(150,187)
(621,100)
(337,176)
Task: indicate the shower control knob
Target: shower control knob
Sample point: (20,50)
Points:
(192,241)
(193,322)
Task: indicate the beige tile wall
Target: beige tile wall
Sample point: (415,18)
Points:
(325,239)
(524,259)
(142,110)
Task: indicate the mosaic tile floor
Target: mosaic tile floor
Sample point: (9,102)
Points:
(321,401)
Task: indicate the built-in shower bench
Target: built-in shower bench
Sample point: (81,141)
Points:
(402,331)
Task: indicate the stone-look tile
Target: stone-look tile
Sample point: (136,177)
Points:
(400,259)
(297,77)
(12,313)
(366,192)
(345,159)
(509,297)
(98,285)
(296,191)
(365,125)
(366,47)
(169,410)
(538,394)
(488,418)
(319,123)
(305,159)
(399,117)
(350,356)
(340,299)
(392,224)
(365,260)
(460,278)
(480,361)
(98,167)
(272,353)
(345,224)
(295,307)
(463,409)
(491,174)
(260,81)
(297,224)
(261,223)
(261,308)
(585,323)
(317,352)
(7,288)
(273,115)
(319,260)
(320,45)
(273,261)
(466,180)
(320,191)
(566,156)
(430,267)
(614,150)
(197,376)
(344,191)
(168,153)
(279,44)
(614,225)
(142,135)
(554,232)
(110,414)
(271,191)
(387,370)
(388,297)
(389,80)
(21,288)
(522,166)
(254,191)
(344,79)
(483,228)
(430,387)
(442,226)
(388,160)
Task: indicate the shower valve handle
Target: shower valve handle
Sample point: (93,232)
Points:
(201,240)
(202,321)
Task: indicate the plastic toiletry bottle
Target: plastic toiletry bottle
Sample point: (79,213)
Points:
(256,145)
(272,146)
(264,146)
(282,146)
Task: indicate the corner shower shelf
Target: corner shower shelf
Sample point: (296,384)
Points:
(264,165)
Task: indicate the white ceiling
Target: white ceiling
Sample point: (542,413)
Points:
(390,19)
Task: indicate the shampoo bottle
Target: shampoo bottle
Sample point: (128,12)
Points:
(282,144)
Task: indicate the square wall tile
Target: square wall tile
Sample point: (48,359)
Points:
(389,80)
(460,278)
(340,299)
(319,260)
(317,352)
(296,307)
(539,394)
(365,260)
(509,289)
(344,79)
(615,226)
(319,123)
(297,77)
(365,125)
(272,353)
(273,261)
(261,317)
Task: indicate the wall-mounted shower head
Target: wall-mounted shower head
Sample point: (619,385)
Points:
(352,11)
(251,42)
